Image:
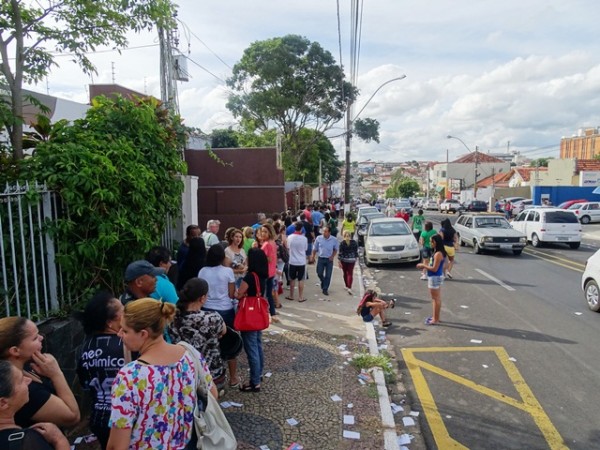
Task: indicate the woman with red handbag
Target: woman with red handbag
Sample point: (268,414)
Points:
(253,284)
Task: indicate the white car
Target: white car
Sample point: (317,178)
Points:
(590,280)
(489,231)
(390,240)
(521,206)
(365,210)
(586,212)
(430,205)
(549,225)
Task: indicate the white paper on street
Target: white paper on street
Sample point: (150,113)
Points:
(350,405)
(512,359)
(225,405)
(476,341)
(408,421)
(268,374)
(396,408)
(264,447)
(351,434)
(404,439)
(293,422)
(348,420)
(336,398)
(414,413)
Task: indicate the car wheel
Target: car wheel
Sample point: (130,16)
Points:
(592,295)
(535,240)
(476,248)
(517,252)
(574,245)
(367,262)
(585,220)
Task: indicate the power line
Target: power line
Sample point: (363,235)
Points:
(203,43)
(206,70)
(60,54)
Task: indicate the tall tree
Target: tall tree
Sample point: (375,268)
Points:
(319,149)
(292,84)
(30,33)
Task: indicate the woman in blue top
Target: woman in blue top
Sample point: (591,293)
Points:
(435,277)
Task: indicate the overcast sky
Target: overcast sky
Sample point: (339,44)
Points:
(490,72)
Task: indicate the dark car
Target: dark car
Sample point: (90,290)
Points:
(476,206)
(363,223)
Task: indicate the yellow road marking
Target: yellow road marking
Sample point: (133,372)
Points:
(528,402)
(549,255)
(556,261)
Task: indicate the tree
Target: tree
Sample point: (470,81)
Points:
(540,162)
(292,84)
(118,174)
(308,169)
(224,138)
(367,129)
(31,32)
(403,187)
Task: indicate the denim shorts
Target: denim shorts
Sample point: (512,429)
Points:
(435,282)
(426,253)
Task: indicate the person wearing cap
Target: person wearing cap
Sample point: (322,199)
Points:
(140,280)
(210,235)
(160,256)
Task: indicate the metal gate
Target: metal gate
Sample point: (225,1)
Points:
(31,283)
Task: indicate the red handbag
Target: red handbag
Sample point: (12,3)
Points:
(253,312)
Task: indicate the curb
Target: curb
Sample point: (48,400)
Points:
(387,417)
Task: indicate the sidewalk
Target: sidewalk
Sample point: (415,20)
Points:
(306,364)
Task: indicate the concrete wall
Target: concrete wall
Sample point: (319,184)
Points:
(560,173)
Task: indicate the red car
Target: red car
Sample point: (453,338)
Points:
(565,205)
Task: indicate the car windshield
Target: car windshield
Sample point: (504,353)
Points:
(491,222)
(389,229)
(561,217)
(369,216)
(575,206)
(367,210)
(403,205)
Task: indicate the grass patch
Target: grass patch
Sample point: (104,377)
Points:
(367,361)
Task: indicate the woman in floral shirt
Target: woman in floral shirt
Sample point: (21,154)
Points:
(153,397)
(202,329)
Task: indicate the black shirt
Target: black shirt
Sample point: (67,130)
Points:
(23,439)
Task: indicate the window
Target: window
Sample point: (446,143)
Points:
(594,206)
(536,216)
(521,217)
(461,220)
(469,223)
(561,217)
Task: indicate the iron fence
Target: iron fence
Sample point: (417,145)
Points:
(32,282)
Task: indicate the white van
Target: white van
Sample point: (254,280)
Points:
(549,225)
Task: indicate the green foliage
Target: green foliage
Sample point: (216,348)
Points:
(292,84)
(318,147)
(224,138)
(367,129)
(118,174)
(32,33)
(367,361)
(403,187)
(540,162)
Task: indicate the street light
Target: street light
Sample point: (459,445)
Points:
(476,163)
(349,122)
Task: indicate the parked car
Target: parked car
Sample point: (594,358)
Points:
(363,223)
(476,206)
(404,204)
(390,240)
(521,206)
(590,280)
(365,210)
(489,231)
(568,203)
(586,212)
(451,205)
(542,225)
(512,201)
(430,205)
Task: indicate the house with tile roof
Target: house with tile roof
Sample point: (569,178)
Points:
(570,172)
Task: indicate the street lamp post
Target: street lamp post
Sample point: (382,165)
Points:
(476,162)
(349,122)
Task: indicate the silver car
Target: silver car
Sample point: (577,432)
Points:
(489,232)
(390,240)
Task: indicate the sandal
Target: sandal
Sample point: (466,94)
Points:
(234,385)
(278,305)
(289,298)
(250,388)
(386,324)
(301,300)
(429,321)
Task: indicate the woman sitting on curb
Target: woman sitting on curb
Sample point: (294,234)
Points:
(370,306)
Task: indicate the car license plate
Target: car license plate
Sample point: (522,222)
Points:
(505,245)
(562,238)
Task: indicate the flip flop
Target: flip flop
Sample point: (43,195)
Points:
(301,300)
(289,298)
(429,321)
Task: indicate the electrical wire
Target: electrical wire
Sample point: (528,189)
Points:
(203,43)
(206,70)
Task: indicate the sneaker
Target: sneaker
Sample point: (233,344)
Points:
(325,292)
(386,324)
(449,275)
(349,291)
(423,277)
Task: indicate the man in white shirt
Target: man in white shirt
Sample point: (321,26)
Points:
(298,244)
(210,235)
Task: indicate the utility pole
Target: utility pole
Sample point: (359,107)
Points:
(476,167)
(348,138)
(447,191)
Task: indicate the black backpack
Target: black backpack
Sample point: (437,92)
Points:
(282,252)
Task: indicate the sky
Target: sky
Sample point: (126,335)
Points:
(510,75)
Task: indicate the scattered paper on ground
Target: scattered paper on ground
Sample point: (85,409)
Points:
(578,313)
(404,439)
(396,408)
(293,422)
(414,413)
(351,434)
(408,421)
(264,447)
(476,341)
(350,405)
(348,420)
(512,359)
(336,398)
(464,306)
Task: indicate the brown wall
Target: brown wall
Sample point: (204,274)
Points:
(234,193)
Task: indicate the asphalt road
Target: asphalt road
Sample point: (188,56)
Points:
(515,362)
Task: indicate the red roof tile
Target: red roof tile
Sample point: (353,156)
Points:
(587,165)
(479,157)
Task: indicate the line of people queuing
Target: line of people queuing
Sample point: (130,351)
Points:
(140,381)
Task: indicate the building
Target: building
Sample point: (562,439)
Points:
(585,145)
